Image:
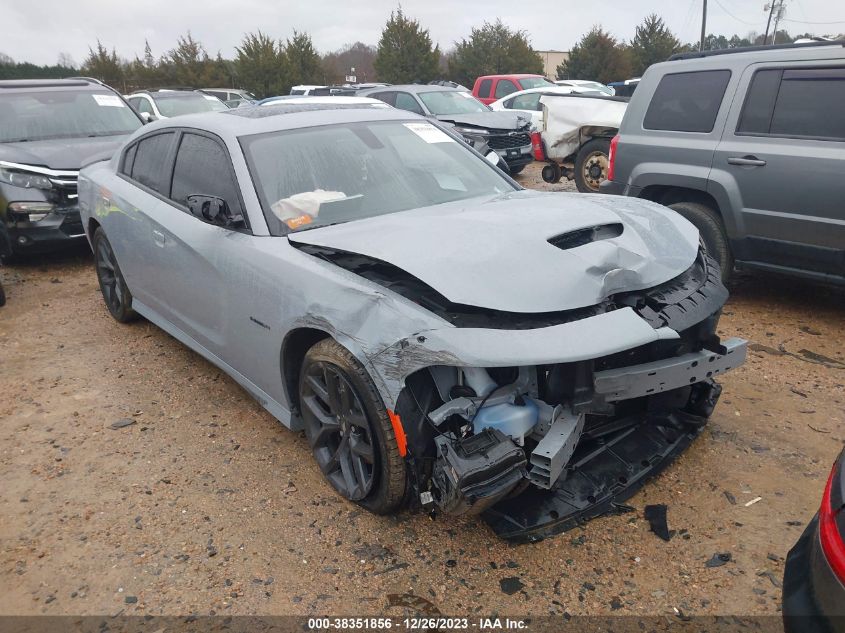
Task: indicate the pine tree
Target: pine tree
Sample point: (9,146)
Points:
(652,43)
(493,49)
(597,57)
(405,53)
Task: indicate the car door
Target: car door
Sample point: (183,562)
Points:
(197,259)
(784,150)
(145,165)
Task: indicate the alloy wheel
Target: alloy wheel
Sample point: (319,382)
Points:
(338,430)
(111,281)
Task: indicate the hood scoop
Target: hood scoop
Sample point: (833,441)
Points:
(579,237)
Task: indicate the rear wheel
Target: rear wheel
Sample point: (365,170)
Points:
(712,232)
(116,294)
(591,165)
(349,430)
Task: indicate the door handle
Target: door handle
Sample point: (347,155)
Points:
(158,236)
(746,161)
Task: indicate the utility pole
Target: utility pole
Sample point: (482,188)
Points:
(771,9)
(778,17)
(703,24)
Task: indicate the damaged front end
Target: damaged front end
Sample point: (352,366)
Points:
(538,448)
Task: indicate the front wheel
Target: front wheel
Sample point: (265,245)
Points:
(116,294)
(349,430)
(712,232)
(591,165)
(515,170)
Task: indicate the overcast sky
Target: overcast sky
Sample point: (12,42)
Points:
(38,31)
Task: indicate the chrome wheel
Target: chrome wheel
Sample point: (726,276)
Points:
(338,430)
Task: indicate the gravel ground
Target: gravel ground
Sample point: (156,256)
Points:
(204,504)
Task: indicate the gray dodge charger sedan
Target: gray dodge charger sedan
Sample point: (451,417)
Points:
(445,338)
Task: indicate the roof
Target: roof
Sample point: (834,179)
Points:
(29,84)
(517,75)
(776,51)
(414,88)
(238,122)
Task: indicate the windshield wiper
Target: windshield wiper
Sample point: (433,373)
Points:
(319,226)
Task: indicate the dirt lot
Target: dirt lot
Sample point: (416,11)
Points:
(206,504)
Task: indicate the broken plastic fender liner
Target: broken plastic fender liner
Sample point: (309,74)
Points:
(399,432)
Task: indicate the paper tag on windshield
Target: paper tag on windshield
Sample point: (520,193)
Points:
(112,101)
(429,133)
(210,98)
(466,95)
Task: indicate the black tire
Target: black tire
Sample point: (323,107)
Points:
(116,293)
(342,427)
(515,170)
(712,232)
(591,165)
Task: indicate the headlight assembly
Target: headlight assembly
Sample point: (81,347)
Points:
(24,179)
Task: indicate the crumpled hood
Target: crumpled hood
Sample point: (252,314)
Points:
(61,153)
(492,120)
(496,254)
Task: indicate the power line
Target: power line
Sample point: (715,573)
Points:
(733,16)
(805,22)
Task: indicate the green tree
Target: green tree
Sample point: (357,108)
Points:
(652,43)
(260,65)
(187,64)
(305,66)
(493,49)
(405,53)
(597,57)
(105,66)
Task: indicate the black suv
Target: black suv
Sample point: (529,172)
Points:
(49,129)
(749,145)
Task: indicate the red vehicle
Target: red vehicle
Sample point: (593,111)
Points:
(489,88)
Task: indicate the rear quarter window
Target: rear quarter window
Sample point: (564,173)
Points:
(687,102)
(150,167)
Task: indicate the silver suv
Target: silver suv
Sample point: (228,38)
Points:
(749,146)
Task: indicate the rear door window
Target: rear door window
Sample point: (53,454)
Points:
(795,102)
(484,88)
(504,87)
(150,167)
(203,167)
(687,102)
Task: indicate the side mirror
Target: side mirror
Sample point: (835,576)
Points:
(214,210)
(146,117)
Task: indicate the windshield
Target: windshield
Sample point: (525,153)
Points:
(316,176)
(176,104)
(452,102)
(534,82)
(49,114)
